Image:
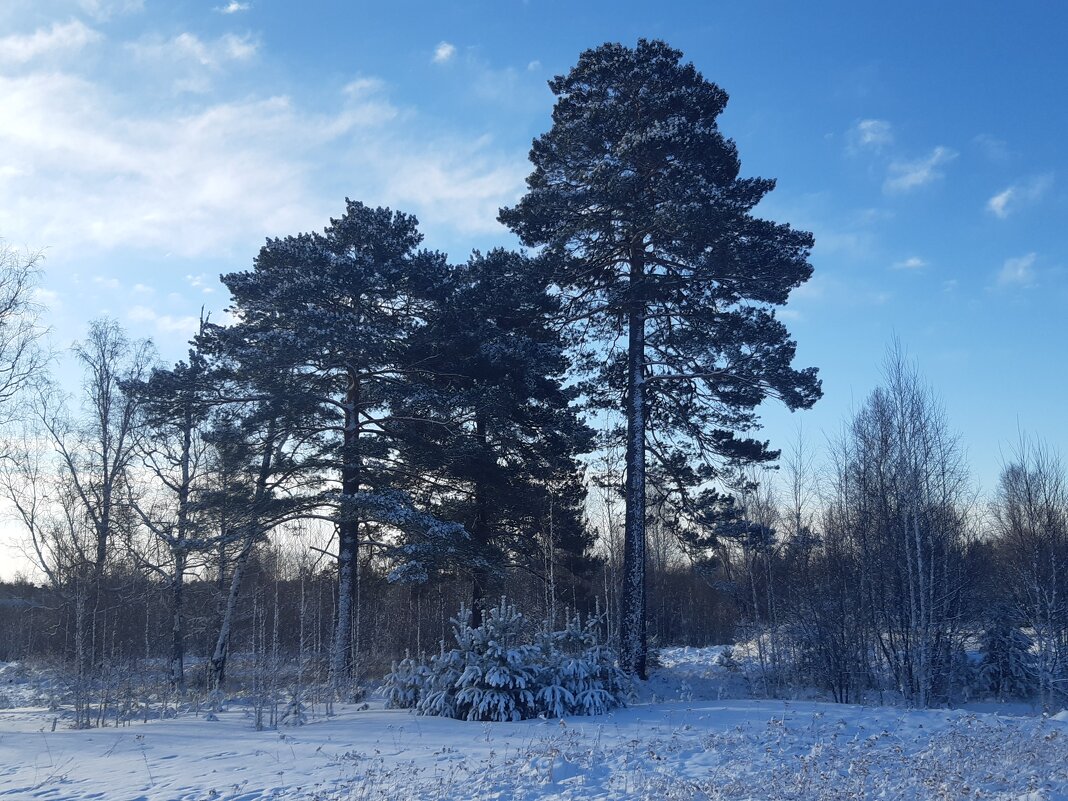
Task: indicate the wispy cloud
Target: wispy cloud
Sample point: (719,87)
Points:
(996,150)
(444,52)
(67,37)
(871,135)
(164,323)
(904,176)
(233,7)
(1020,194)
(107,283)
(911,263)
(189,47)
(96,170)
(201,282)
(192,63)
(1019,271)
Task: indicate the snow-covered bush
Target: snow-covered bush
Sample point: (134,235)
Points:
(506,670)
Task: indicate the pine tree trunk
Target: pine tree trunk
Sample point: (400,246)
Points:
(217,668)
(480,530)
(348,540)
(632,623)
(178,623)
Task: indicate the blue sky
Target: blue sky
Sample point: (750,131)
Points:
(147,146)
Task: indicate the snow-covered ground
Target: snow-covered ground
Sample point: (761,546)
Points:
(669,749)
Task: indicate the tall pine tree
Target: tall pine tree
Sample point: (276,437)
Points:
(331,314)
(637,202)
(504,439)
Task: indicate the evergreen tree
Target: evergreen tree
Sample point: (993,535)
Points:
(637,201)
(504,437)
(331,314)
(1008,668)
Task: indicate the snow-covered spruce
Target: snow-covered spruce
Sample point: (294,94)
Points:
(404,683)
(506,670)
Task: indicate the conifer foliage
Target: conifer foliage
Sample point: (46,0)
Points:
(332,313)
(504,670)
(637,202)
(495,420)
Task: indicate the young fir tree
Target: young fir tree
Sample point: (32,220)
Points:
(637,202)
(504,439)
(331,314)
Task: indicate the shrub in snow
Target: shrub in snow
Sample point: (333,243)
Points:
(503,671)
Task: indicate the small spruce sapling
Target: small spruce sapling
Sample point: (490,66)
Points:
(499,672)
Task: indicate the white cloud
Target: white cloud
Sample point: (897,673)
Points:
(174,182)
(456,184)
(911,263)
(140,314)
(200,282)
(905,176)
(1024,193)
(187,47)
(164,323)
(363,87)
(107,283)
(871,134)
(444,52)
(534,66)
(1019,271)
(190,63)
(102,170)
(61,38)
(999,203)
(233,7)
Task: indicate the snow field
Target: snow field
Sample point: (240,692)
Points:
(665,751)
(672,748)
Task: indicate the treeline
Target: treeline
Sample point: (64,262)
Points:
(882,574)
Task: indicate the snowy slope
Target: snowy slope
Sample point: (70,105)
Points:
(669,750)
